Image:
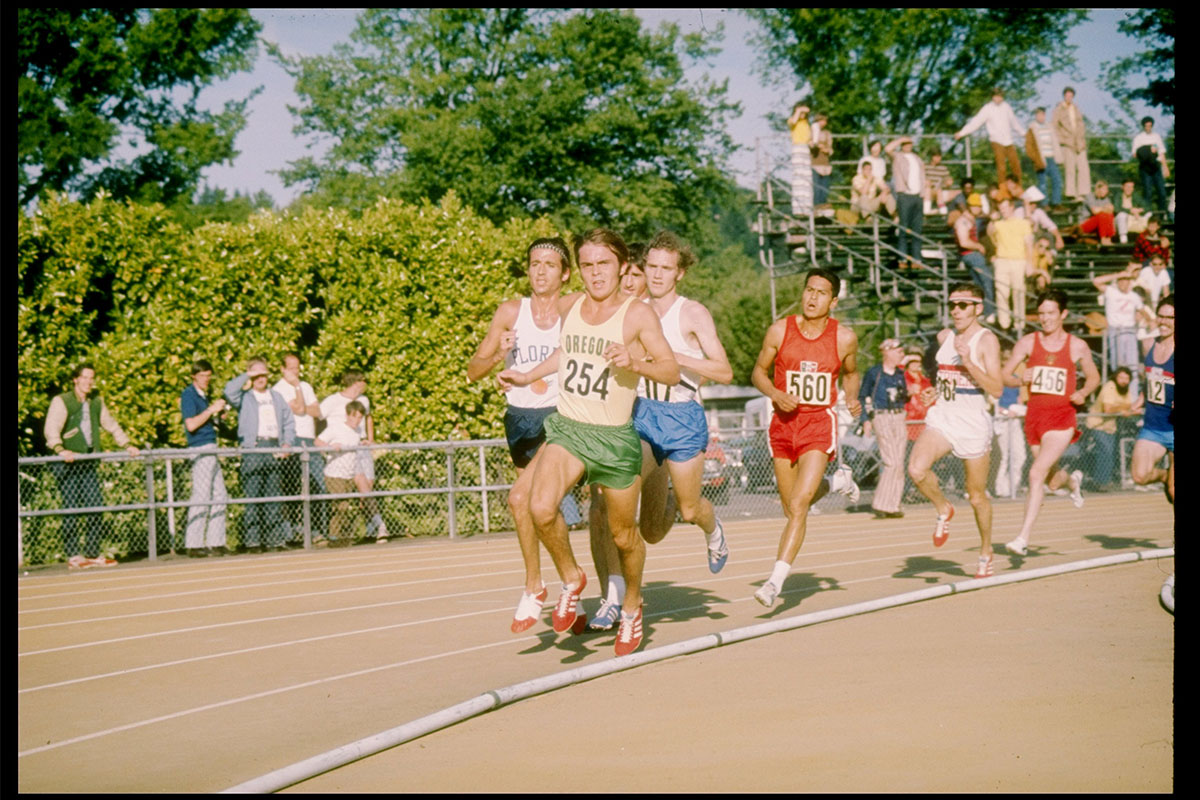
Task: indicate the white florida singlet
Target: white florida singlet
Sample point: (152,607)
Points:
(533,346)
(961,411)
(689,382)
(589,388)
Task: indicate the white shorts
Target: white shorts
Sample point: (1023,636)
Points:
(968,430)
(365,464)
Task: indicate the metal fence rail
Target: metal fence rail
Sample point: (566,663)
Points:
(140,506)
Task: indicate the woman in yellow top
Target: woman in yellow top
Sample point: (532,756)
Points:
(591,436)
(802,181)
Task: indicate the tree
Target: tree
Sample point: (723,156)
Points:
(912,70)
(1155,27)
(91,80)
(583,117)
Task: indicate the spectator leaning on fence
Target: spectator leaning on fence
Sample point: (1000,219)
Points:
(264,420)
(302,400)
(73,424)
(340,471)
(354,387)
(1116,398)
(1001,124)
(206,522)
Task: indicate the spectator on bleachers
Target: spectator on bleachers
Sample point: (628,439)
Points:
(908,178)
(1151,154)
(1131,212)
(1155,280)
(939,186)
(1013,262)
(1043,226)
(878,162)
(1146,333)
(958,204)
(1001,124)
(822,149)
(1099,212)
(1070,129)
(1042,148)
(973,254)
(801,134)
(868,192)
(1122,308)
(1119,397)
(1152,242)
(1043,265)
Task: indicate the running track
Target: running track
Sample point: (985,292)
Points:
(194,676)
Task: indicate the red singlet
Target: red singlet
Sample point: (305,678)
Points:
(807,369)
(1050,390)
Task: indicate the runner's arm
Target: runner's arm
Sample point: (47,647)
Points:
(715,364)
(847,346)
(1091,375)
(766,358)
(496,343)
(512,377)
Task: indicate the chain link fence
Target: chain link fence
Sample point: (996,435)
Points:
(166,501)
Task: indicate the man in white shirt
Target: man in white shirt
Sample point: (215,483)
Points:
(908,177)
(1151,154)
(333,408)
(302,400)
(340,470)
(1155,280)
(1001,124)
(1122,307)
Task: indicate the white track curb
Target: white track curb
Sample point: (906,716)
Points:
(1167,594)
(311,767)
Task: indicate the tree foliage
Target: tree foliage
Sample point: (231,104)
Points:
(585,117)
(89,80)
(916,69)
(1155,28)
(403,291)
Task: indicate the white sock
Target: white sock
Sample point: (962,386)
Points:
(780,573)
(714,538)
(616,589)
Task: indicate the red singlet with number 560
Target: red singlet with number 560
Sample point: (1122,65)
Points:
(808,369)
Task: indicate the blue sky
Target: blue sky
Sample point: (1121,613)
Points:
(268,144)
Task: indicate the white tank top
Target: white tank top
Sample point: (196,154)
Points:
(689,382)
(589,388)
(533,346)
(955,387)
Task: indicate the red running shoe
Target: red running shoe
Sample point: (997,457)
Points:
(984,570)
(941,531)
(629,634)
(567,607)
(528,610)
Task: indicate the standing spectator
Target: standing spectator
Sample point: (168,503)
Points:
(205,523)
(340,470)
(302,400)
(73,424)
(915,382)
(1043,265)
(354,384)
(1151,243)
(939,186)
(264,420)
(1013,261)
(1131,216)
(1010,435)
(1099,205)
(1113,400)
(878,162)
(822,149)
(1070,129)
(883,395)
(1155,280)
(973,254)
(868,192)
(802,187)
(1001,124)
(1041,146)
(908,177)
(1151,154)
(1122,307)
(1043,226)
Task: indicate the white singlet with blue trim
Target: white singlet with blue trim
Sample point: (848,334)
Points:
(533,346)
(961,411)
(689,382)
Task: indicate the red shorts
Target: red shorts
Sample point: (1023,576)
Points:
(803,432)
(1056,418)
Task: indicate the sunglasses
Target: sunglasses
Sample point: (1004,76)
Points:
(959,305)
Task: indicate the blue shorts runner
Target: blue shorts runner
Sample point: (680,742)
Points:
(1165,438)
(525,431)
(611,454)
(675,431)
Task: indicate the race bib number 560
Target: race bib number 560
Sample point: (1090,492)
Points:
(813,388)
